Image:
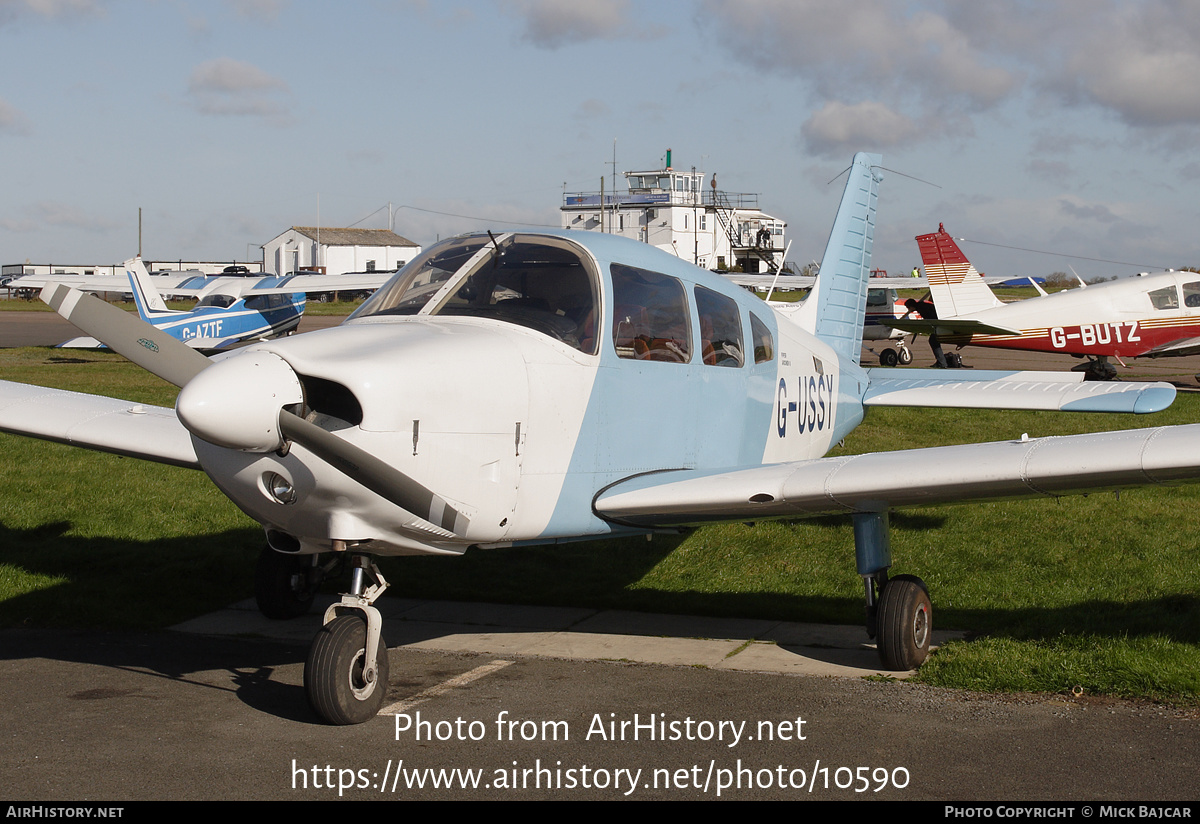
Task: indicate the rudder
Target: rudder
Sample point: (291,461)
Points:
(835,309)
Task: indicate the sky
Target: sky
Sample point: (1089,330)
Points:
(1064,128)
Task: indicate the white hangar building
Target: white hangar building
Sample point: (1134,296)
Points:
(337,251)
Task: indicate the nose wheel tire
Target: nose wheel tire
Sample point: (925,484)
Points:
(905,627)
(335,679)
(905,356)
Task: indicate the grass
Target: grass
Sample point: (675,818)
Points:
(1096,593)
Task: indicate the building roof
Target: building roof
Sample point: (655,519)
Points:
(354,237)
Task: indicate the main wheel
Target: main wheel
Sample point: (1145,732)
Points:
(282,585)
(905,623)
(888,357)
(334,673)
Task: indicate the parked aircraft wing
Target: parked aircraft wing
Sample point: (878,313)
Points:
(947,328)
(151,433)
(1036,467)
(1176,348)
(980,389)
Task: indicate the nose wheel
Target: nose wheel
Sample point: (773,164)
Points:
(346,674)
(344,683)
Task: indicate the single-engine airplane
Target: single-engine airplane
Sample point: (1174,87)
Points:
(526,388)
(219,319)
(229,310)
(1151,315)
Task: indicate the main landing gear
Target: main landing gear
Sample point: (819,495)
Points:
(900,355)
(1097,369)
(899,613)
(284,585)
(346,674)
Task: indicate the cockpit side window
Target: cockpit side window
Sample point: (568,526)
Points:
(413,286)
(720,329)
(764,345)
(650,317)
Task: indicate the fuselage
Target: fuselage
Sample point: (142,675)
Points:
(521,376)
(1126,318)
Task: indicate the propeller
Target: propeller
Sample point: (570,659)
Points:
(212,408)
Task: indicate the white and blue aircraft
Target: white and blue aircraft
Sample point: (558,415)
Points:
(526,388)
(229,310)
(221,317)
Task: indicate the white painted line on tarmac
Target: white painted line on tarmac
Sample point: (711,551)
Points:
(445,686)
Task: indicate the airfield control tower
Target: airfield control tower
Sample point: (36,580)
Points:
(674,210)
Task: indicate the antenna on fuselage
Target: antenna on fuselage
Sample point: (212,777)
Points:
(779,271)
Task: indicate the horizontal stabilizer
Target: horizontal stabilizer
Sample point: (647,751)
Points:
(1037,467)
(950,327)
(1052,391)
(151,433)
(82,343)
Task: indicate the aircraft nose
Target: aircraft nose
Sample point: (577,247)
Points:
(235,402)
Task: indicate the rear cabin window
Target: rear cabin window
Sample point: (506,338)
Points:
(1166,298)
(650,317)
(720,329)
(764,345)
(1191,295)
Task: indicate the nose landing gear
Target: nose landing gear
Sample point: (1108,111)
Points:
(346,674)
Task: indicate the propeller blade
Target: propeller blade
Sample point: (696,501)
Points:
(124,333)
(381,478)
(175,361)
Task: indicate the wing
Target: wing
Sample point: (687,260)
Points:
(883,480)
(1176,348)
(320,283)
(764,281)
(986,389)
(947,328)
(94,422)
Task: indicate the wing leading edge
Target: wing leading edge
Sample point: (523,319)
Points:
(875,482)
(151,433)
(983,389)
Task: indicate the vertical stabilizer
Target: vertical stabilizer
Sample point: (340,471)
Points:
(149,302)
(835,308)
(957,289)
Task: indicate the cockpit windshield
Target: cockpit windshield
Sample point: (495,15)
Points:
(541,283)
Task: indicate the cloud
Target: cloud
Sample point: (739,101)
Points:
(15,10)
(266,11)
(12,120)
(551,24)
(1142,66)
(59,215)
(1083,211)
(868,124)
(861,49)
(233,87)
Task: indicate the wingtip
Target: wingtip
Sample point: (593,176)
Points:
(1154,398)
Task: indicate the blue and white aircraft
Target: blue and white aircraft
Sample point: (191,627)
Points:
(526,388)
(229,309)
(221,317)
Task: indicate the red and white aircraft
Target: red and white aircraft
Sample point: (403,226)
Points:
(1151,315)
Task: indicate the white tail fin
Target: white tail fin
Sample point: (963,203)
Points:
(835,308)
(149,302)
(957,289)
